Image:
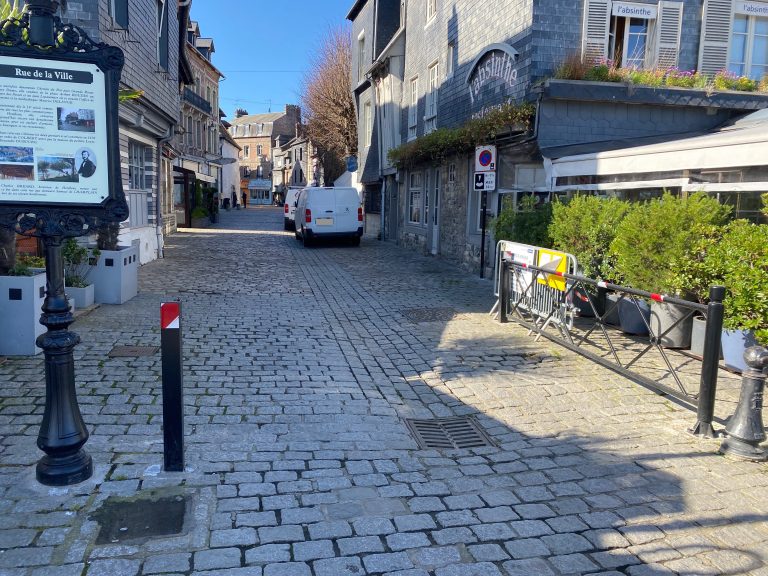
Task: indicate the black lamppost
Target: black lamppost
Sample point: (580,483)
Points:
(50,43)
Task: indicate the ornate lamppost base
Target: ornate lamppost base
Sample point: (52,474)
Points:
(64,470)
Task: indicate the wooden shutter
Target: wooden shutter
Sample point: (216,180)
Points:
(668,27)
(715,35)
(597,18)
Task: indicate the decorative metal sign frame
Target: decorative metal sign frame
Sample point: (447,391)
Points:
(72,44)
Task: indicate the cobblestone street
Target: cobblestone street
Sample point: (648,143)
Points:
(301,367)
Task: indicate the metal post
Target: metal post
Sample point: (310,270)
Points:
(709,364)
(41,21)
(173,393)
(745,428)
(483,206)
(63,432)
(504,291)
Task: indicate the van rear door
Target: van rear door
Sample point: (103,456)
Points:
(323,207)
(347,203)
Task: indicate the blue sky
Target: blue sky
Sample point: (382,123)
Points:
(263,47)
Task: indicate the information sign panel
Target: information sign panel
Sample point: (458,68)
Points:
(53,132)
(485,181)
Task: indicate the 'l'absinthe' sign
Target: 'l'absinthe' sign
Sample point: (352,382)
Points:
(495,62)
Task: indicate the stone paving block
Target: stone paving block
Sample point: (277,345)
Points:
(477,569)
(526,548)
(606,538)
(454,536)
(16,538)
(359,545)
(234,537)
(566,524)
(338,567)
(614,558)
(256,519)
(436,556)
(566,543)
(268,554)
(493,531)
(527,567)
(488,552)
(179,562)
(66,570)
(285,533)
(407,540)
(330,529)
(279,502)
(114,566)
(413,522)
(18,557)
(306,551)
(248,571)
(650,570)
(572,563)
(534,511)
(530,528)
(218,558)
(456,518)
(301,515)
(426,504)
(373,526)
(288,569)
(376,563)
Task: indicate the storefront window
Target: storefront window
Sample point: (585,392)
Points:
(414,198)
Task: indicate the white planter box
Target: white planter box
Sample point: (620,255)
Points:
(116,275)
(21,302)
(81,297)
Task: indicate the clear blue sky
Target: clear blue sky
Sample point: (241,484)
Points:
(263,47)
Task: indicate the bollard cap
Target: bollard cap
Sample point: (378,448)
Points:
(756,358)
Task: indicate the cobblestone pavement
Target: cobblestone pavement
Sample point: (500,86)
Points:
(301,366)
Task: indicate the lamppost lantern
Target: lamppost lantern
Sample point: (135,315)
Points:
(56,57)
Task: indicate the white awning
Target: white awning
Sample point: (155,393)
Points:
(741,145)
(204,177)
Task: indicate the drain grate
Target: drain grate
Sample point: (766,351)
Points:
(132,351)
(123,520)
(448,433)
(417,315)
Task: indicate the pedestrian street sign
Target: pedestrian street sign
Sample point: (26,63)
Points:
(485,181)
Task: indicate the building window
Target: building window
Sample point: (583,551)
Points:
(259,150)
(413,108)
(414,198)
(749,46)
(436,203)
(628,44)
(430,119)
(360,56)
(118,9)
(136,169)
(162,34)
(425,215)
(247,151)
(368,122)
(451,173)
(431,9)
(450,54)
(189,135)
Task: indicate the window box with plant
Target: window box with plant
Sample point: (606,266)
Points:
(22,292)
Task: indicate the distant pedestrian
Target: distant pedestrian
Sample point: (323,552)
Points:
(245,198)
(234,198)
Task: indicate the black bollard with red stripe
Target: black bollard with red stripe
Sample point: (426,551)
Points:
(173,396)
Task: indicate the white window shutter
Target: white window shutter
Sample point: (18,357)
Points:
(668,29)
(594,41)
(715,36)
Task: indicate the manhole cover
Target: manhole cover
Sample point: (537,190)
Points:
(122,520)
(462,432)
(131,351)
(417,315)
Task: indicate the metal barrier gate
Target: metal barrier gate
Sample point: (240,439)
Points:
(525,292)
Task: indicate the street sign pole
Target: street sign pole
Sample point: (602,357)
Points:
(62,433)
(483,207)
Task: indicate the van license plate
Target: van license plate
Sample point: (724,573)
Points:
(324,221)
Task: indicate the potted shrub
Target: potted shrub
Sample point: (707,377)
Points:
(115,274)
(740,261)
(650,244)
(22,292)
(585,227)
(77,265)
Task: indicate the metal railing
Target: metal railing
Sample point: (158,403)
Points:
(595,337)
(197,101)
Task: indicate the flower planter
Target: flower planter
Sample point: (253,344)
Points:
(698,333)
(116,275)
(632,320)
(21,301)
(734,342)
(663,316)
(82,297)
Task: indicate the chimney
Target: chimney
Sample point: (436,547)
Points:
(241,112)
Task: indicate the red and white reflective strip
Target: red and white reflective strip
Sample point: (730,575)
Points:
(602,284)
(657,297)
(169,315)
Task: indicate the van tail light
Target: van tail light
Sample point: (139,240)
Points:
(359,214)
(308,216)
(285,208)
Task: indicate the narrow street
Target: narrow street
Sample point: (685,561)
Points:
(301,368)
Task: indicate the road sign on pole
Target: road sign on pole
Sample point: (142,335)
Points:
(485,159)
(485,181)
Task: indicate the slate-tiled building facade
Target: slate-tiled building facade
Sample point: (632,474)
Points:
(148,32)
(461,58)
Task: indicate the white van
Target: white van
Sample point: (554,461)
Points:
(328,212)
(289,209)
